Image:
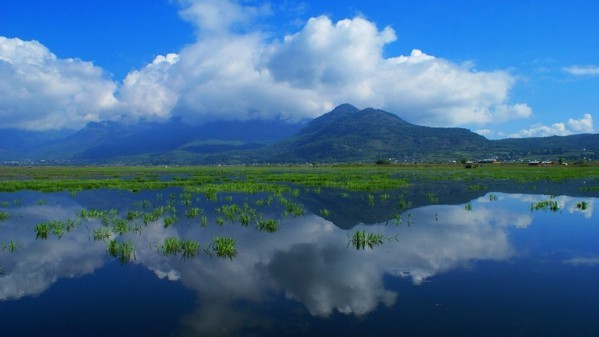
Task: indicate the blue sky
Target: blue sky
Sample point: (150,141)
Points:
(505,68)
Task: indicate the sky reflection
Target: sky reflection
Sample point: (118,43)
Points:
(308,261)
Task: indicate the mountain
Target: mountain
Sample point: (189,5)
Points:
(346,134)
(142,143)
(19,145)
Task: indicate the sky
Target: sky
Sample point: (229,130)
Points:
(502,68)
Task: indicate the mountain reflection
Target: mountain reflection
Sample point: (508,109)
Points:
(307,261)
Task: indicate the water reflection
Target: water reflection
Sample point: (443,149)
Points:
(37,264)
(307,262)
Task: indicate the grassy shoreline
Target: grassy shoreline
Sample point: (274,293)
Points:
(274,178)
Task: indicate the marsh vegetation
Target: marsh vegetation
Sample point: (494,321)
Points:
(258,197)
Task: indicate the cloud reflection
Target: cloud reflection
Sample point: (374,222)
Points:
(308,261)
(35,266)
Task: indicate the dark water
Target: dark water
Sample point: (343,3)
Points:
(487,266)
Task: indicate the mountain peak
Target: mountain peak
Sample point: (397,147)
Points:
(345,108)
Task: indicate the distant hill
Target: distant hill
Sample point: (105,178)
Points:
(346,134)
(574,147)
(141,143)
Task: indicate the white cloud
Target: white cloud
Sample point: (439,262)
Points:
(145,93)
(243,75)
(219,16)
(583,125)
(582,70)
(508,112)
(234,72)
(572,126)
(40,91)
(484,132)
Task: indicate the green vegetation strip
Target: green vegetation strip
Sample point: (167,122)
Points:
(276,179)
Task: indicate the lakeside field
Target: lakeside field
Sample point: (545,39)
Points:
(275,178)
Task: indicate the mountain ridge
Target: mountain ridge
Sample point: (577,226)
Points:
(345,134)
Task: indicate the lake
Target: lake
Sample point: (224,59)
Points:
(459,261)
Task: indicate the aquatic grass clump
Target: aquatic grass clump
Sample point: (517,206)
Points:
(57,227)
(92,214)
(582,205)
(224,247)
(123,251)
(432,198)
(7,204)
(121,227)
(12,246)
(211,195)
(248,215)
(41,231)
(324,212)
(291,208)
(169,221)
(269,225)
(171,246)
(397,220)
(109,217)
(545,205)
(589,189)
(133,215)
(101,234)
(4,216)
(233,213)
(230,212)
(186,198)
(404,204)
(154,215)
(360,240)
(145,204)
(193,212)
(370,199)
(187,248)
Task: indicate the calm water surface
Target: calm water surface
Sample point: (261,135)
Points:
(485,265)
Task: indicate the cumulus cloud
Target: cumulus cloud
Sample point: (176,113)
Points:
(234,71)
(39,91)
(572,126)
(145,93)
(582,70)
(240,76)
